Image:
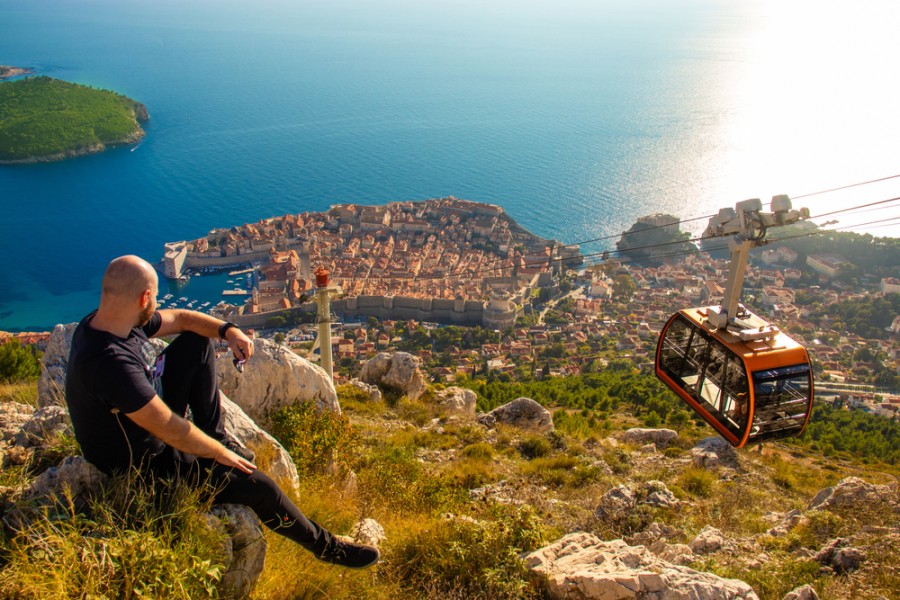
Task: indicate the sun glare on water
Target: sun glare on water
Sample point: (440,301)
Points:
(815,107)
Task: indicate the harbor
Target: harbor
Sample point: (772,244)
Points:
(207,290)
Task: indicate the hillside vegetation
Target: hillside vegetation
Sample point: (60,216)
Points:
(48,119)
(461,502)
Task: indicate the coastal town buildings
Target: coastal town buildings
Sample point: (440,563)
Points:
(395,260)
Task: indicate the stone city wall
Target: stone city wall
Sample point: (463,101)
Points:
(434,310)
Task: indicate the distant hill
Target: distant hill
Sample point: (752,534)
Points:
(44,119)
(653,237)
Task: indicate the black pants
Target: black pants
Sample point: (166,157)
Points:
(189,381)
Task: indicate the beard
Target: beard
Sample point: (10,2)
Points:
(146,314)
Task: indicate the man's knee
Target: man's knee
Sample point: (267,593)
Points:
(190,343)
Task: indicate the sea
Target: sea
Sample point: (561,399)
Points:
(576,116)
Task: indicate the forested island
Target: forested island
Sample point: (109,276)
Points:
(44,119)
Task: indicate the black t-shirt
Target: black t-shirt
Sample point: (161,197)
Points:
(107,376)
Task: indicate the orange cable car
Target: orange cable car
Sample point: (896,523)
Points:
(745,377)
(748,390)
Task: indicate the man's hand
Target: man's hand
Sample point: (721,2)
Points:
(157,418)
(241,345)
(230,459)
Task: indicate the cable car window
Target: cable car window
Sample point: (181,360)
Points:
(737,393)
(675,347)
(781,399)
(708,372)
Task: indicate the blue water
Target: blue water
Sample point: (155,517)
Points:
(576,116)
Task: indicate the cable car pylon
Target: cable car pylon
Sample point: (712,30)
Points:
(747,225)
(743,375)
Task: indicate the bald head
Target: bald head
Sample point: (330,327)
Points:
(127,277)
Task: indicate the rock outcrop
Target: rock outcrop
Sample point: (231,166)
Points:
(620,500)
(709,540)
(372,391)
(658,437)
(714,452)
(245,548)
(274,378)
(581,566)
(52,384)
(368,532)
(524,413)
(806,592)
(278,463)
(398,373)
(840,556)
(457,399)
(850,492)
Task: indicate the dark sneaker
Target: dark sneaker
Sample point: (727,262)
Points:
(238,448)
(350,555)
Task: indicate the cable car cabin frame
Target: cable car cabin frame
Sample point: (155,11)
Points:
(749,391)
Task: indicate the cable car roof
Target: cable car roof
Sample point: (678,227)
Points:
(776,344)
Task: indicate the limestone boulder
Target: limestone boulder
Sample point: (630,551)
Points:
(616,502)
(654,533)
(13,416)
(398,372)
(52,384)
(840,556)
(45,424)
(274,378)
(658,437)
(851,492)
(278,463)
(524,413)
(709,540)
(713,452)
(677,554)
(368,532)
(619,501)
(806,592)
(371,391)
(25,430)
(787,523)
(74,475)
(244,548)
(581,566)
(457,399)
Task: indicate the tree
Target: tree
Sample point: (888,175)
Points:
(624,287)
(18,363)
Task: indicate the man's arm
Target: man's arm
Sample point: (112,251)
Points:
(176,321)
(157,418)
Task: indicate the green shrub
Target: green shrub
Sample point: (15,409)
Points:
(618,460)
(314,438)
(673,452)
(783,475)
(471,558)
(480,451)
(698,482)
(534,446)
(18,363)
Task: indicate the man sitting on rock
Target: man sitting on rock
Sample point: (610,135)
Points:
(130,414)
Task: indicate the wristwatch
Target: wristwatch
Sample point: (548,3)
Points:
(224,327)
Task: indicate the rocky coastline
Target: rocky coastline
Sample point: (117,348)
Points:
(8,72)
(136,136)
